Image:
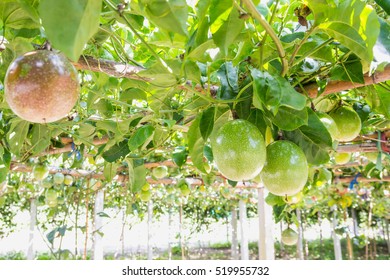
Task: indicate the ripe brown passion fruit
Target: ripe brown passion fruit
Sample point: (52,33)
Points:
(41,86)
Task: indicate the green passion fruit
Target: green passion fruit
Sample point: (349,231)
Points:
(160,172)
(289,237)
(40,172)
(41,86)
(342,158)
(58,178)
(286,170)
(329,124)
(348,123)
(239,150)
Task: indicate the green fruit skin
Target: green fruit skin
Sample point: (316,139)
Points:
(342,158)
(145,195)
(348,123)
(58,178)
(289,237)
(160,172)
(286,170)
(40,172)
(51,194)
(329,124)
(239,150)
(68,180)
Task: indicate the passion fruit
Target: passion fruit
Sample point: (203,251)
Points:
(286,170)
(239,150)
(348,123)
(41,86)
(289,237)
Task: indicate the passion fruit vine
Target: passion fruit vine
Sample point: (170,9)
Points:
(41,86)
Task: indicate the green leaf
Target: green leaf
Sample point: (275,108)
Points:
(207,122)
(200,53)
(170,15)
(256,117)
(358,31)
(57,232)
(382,47)
(40,138)
(69,24)
(274,200)
(274,92)
(110,170)
(379,100)
(142,135)
(350,70)
(313,138)
(16,135)
(5,162)
(103,215)
(385,4)
(228,78)
(179,156)
(162,76)
(131,94)
(349,37)
(117,151)
(86,132)
(290,119)
(18,15)
(196,145)
(139,178)
(226,26)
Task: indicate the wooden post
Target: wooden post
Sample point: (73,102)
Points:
(266,225)
(336,239)
(98,253)
(33,222)
(234,248)
(244,231)
(300,236)
(150,234)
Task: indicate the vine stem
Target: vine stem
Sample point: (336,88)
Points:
(260,18)
(298,47)
(159,59)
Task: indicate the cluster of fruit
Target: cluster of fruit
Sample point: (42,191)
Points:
(41,174)
(240,152)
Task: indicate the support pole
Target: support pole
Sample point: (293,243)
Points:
(300,236)
(266,227)
(98,253)
(244,231)
(170,234)
(355,222)
(234,249)
(33,222)
(150,235)
(336,239)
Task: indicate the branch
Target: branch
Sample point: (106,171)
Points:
(337,86)
(264,23)
(121,70)
(111,68)
(360,180)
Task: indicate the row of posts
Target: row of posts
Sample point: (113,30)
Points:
(265,240)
